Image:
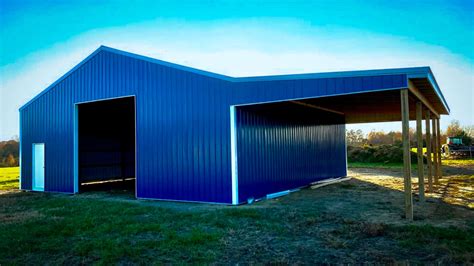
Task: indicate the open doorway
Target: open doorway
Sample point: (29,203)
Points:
(105,145)
(280,146)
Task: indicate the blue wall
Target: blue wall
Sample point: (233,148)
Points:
(287,146)
(182,121)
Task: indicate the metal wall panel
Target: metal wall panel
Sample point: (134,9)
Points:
(182,121)
(287,146)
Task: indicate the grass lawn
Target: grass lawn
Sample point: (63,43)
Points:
(350,222)
(375,165)
(446,162)
(9,178)
(459,162)
(378,165)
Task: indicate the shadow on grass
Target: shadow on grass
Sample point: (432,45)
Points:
(462,170)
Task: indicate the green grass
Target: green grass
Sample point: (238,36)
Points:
(457,242)
(48,228)
(83,231)
(38,228)
(376,165)
(450,162)
(415,150)
(459,162)
(9,178)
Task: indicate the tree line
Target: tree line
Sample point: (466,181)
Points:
(9,153)
(374,138)
(381,147)
(373,147)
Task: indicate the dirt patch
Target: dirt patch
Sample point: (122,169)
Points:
(373,195)
(359,221)
(455,188)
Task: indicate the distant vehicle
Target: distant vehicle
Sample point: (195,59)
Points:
(455,148)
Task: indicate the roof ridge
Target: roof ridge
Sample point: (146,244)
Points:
(424,70)
(328,74)
(165,63)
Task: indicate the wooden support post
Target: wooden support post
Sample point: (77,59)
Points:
(435,150)
(438,132)
(428,150)
(406,154)
(419,140)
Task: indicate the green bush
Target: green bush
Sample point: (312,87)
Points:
(377,154)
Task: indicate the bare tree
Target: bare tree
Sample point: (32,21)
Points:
(355,137)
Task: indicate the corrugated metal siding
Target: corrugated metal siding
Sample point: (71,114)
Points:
(281,90)
(175,121)
(182,124)
(285,147)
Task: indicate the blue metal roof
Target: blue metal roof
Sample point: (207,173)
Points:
(411,72)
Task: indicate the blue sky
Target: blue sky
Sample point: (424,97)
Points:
(41,40)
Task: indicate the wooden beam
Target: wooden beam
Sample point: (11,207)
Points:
(435,150)
(438,132)
(413,89)
(428,151)
(419,140)
(317,107)
(406,154)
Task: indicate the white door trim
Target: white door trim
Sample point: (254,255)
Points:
(233,155)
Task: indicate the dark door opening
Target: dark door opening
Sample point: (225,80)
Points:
(106,145)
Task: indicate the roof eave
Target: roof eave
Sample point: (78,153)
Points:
(428,74)
(413,72)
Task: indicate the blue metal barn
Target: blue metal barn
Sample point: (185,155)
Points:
(191,135)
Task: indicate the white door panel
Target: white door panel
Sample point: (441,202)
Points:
(38,167)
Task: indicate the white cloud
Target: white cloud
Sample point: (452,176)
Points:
(242,48)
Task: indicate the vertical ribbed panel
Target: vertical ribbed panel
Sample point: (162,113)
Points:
(286,146)
(280,90)
(182,132)
(182,123)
